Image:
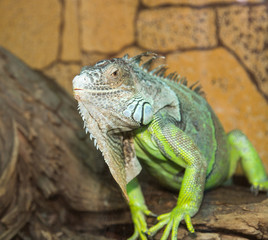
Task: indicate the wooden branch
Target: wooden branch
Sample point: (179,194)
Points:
(44,150)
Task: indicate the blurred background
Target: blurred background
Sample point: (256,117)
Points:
(221,43)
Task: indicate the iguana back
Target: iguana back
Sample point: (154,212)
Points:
(199,121)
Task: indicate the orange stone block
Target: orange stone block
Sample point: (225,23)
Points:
(171,28)
(70,35)
(244,30)
(30,30)
(229,91)
(107,26)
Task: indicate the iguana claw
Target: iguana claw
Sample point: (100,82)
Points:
(140,225)
(172,221)
(261,186)
(254,190)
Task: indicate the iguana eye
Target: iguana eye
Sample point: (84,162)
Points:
(113,77)
(115,73)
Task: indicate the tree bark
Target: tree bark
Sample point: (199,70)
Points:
(45,153)
(55,185)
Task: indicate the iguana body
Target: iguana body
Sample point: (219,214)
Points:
(169,127)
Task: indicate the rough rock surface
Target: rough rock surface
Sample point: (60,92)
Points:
(36,44)
(71,49)
(101,20)
(183,28)
(244,30)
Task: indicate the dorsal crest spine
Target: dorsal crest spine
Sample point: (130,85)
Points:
(160,71)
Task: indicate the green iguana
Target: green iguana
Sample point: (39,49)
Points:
(143,118)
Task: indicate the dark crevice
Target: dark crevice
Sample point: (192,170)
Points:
(79,28)
(248,71)
(69,62)
(181,50)
(217,26)
(61,29)
(60,41)
(209,5)
(138,10)
(47,67)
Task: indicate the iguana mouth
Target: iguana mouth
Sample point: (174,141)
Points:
(93,88)
(100,91)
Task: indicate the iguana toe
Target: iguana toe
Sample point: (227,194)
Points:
(259,187)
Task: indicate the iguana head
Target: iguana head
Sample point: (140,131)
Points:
(114,97)
(110,87)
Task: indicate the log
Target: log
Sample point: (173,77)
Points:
(44,150)
(55,185)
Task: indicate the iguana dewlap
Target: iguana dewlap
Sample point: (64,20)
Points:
(143,118)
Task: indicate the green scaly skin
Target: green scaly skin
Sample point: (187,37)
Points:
(191,189)
(166,150)
(170,128)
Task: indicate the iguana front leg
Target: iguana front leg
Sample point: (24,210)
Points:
(138,210)
(179,148)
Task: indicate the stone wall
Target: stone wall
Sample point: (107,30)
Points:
(221,43)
